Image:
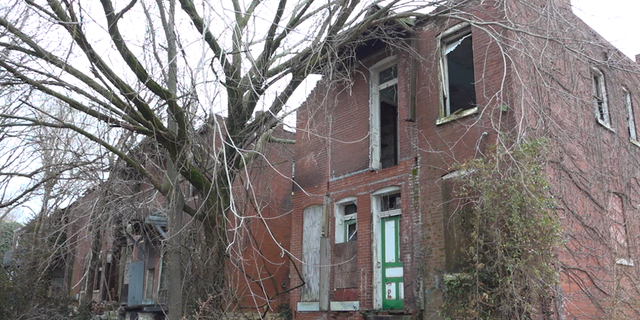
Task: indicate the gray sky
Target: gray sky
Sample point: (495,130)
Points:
(616,20)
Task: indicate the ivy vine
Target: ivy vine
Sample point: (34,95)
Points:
(513,236)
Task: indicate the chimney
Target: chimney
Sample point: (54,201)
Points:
(638,58)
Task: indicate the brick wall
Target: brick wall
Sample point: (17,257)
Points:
(527,85)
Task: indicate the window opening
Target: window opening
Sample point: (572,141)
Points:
(389,118)
(600,97)
(458,78)
(148,284)
(384,115)
(631,124)
(97,279)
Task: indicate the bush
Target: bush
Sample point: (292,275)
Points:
(514,233)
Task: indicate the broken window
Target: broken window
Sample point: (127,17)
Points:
(631,124)
(456,67)
(384,114)
(346,221)
(390,202)
(600,97)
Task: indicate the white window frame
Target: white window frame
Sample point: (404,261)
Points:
(631,122)
(376,248)
(598,84)
(341,218)
(445,41)
(374,108)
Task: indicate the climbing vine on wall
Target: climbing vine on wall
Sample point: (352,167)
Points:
(513,232)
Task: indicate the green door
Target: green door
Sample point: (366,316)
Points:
(392,284)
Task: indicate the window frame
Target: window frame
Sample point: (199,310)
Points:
(599,87)
(444,40)
(342,220)
(375,161)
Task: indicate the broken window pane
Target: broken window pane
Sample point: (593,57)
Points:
(388,74)
(460,93)
(351,229)
(389,95)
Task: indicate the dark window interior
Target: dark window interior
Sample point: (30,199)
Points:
(97,279)
(391,202)
(350,208)
(388,126)
(462,91)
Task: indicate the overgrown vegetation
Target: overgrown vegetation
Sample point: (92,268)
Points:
(513,231)
(7,228)
(31,278)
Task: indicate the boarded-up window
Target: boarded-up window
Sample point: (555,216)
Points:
(618,230)
(311,233)
(456,239)
(345,271)
(136,284)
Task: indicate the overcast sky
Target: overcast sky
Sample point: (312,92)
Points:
(616,20)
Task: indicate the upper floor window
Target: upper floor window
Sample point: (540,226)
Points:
(457,73)
(384,114)
(600,97)
(631,124)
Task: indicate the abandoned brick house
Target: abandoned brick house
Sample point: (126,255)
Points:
(125,221)
(373,154)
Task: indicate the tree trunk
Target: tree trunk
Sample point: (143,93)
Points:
(176,200)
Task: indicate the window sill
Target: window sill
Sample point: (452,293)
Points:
(344,305)
(390,213)
(457,116)
(604,124)
(634,142)
(625,262)
(308,306)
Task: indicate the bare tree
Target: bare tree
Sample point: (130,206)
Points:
(109,64)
